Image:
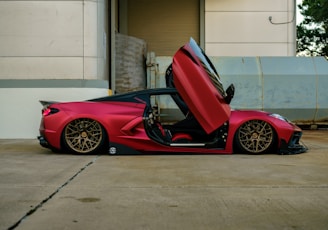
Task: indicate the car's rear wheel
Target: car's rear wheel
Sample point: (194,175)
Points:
(84,136)
(255,137)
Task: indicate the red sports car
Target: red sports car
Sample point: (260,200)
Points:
(191,115)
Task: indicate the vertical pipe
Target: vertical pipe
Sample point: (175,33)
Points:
(291,28)
(202,24)
(112,45)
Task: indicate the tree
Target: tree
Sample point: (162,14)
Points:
(312,32)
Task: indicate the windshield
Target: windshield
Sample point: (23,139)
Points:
(208,66)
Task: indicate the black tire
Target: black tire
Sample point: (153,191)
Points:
(84,136)
(255,137)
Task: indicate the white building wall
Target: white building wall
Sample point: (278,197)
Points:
(46,40)
(51,39)
(242,28)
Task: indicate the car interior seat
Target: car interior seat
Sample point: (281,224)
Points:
(166,135)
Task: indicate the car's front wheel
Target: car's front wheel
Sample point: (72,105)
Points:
(84,136)
(255,137)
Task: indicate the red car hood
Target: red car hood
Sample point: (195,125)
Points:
(200,87)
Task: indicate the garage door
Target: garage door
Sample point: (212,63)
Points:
(165,25)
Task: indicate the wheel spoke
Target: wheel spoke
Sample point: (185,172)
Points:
(83,135)
(255,136)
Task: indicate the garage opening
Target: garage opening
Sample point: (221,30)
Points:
(164,25)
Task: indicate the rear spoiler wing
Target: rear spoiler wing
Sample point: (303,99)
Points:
(47,103)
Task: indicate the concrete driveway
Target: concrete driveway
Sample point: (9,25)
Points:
(44,190)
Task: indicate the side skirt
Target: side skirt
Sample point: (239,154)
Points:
(187,144)
(119,149)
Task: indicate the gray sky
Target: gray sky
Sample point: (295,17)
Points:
(299,17)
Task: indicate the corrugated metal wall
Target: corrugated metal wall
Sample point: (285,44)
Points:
(294,87)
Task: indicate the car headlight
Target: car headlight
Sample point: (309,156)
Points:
(278,116)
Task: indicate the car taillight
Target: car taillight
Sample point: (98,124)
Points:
(49,111)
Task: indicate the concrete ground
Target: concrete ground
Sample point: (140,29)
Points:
(44,190)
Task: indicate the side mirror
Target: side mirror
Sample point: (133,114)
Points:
(230,91)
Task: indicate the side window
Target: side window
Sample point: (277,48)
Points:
(168,111)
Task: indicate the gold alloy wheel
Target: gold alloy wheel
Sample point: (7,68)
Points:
(83,135)
(255,136)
